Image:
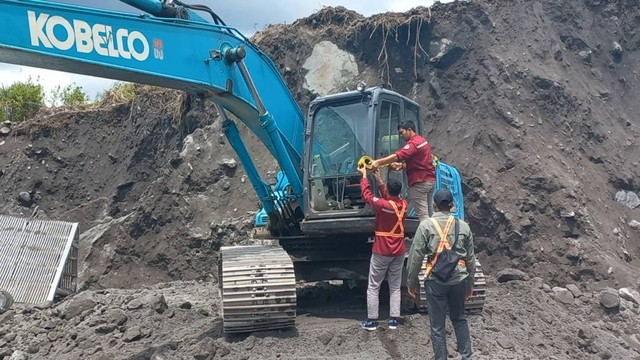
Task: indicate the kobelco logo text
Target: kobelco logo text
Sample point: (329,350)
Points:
(57,32)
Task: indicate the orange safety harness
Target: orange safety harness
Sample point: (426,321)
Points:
(444,243)
(399,224)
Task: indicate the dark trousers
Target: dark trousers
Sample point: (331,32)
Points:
(440,297)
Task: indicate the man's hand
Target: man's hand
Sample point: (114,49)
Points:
(469,294)
(397,166)
(413,292)
(362,170)
(375,164)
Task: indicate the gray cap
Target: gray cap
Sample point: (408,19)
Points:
(443,198)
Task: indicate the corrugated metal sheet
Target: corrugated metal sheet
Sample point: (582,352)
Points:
(37,257)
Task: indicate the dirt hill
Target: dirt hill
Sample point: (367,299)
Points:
(533,101)
(527,100)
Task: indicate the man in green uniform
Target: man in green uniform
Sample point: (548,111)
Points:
(452,293)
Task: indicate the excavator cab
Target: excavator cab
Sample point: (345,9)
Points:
(340,129)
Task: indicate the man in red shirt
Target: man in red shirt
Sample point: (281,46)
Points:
(416,157)
(388,251)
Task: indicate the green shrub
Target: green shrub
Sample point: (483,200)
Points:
(20,101)
(70,95)
(119,92)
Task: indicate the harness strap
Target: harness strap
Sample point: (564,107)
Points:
(399,223)
(442,244)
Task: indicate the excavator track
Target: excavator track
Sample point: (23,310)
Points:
(473,306)
(258,288)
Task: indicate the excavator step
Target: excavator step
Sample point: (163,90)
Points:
(473,306)
(258,288)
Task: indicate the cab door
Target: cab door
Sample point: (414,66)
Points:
(391,111)
(388,116)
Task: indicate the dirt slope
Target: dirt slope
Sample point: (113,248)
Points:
(528,100)
(149,180)
(533,101)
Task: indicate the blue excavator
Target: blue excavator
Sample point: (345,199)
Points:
(317,224)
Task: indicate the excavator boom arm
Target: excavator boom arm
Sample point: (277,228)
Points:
(173,52)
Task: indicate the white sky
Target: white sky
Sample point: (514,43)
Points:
(248,16)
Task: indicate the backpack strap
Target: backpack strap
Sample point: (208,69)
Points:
(399,223)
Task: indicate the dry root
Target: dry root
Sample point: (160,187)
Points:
(390,28)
